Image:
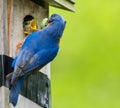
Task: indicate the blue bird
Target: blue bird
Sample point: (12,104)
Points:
(38,49)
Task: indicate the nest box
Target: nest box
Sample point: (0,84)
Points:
(36,89)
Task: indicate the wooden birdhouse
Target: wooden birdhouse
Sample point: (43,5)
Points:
(13,13)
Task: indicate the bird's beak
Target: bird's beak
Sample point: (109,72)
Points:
(33,25)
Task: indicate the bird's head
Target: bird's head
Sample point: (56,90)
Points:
(29,25)
(58,21)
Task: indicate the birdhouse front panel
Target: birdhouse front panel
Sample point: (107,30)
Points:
(17,11)
(15,15)
(18,19)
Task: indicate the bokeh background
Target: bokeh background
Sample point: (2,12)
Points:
(86,72)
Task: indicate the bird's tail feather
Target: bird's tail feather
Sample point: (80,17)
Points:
(15,91)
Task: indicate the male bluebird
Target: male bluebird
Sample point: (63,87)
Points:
(38,49)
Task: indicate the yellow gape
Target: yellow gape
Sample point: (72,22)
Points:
(31,27)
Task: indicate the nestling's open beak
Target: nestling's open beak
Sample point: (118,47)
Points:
(33,25)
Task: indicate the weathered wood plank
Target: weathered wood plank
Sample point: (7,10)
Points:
(63,4)
(36,88)
(22,103)
(2,97)
(5,68)
(3,48)
(3,27)
(26,103)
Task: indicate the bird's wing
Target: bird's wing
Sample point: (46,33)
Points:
(27,64)
(21,62)
(40,59)
(28,49)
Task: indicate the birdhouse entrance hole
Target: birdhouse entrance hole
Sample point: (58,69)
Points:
(26,19)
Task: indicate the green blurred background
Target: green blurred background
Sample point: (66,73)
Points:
(86,72)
